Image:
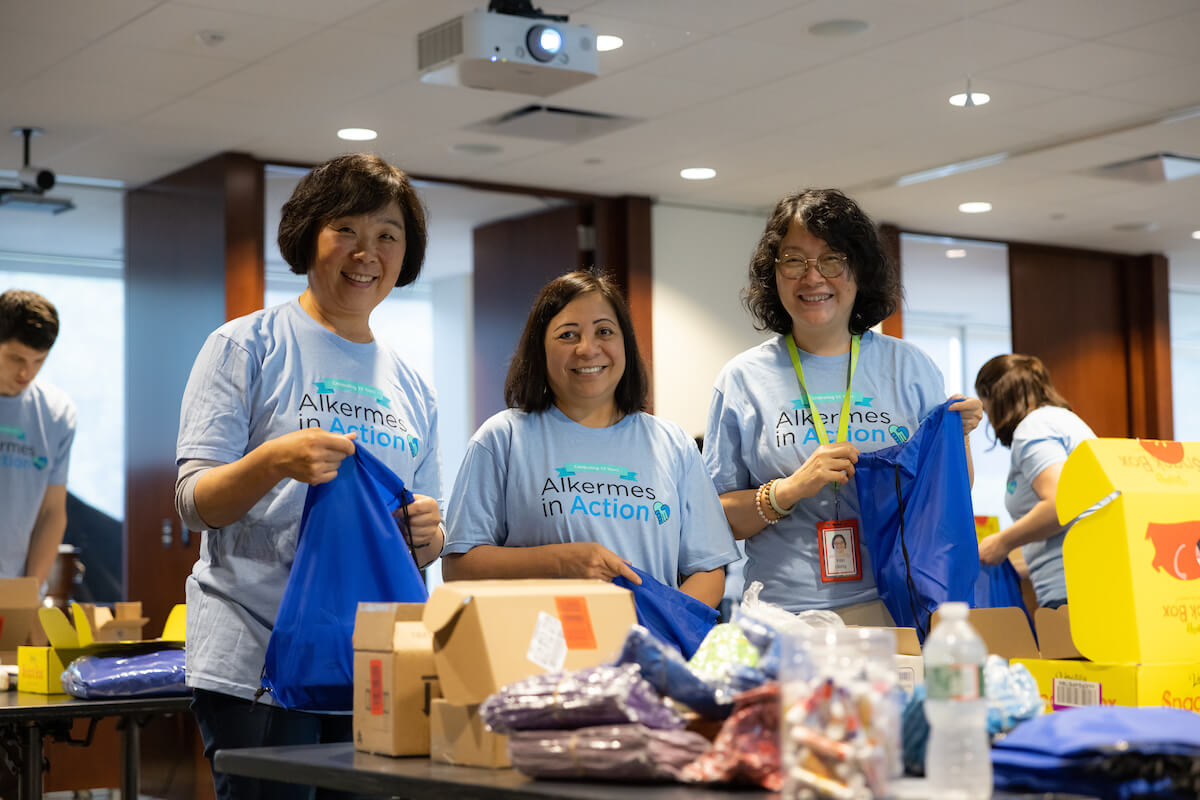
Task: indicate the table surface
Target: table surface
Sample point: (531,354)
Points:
(339,766)
(25,706)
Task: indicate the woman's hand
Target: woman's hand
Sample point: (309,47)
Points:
(591,560)
(993,550)
(424,519)
(310,456)
(971,410)
(829,463)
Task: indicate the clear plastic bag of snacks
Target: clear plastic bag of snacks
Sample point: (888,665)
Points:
(841,714)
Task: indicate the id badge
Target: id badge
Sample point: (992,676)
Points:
(841,558)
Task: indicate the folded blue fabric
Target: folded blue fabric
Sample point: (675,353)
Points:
(676,618)
(665,670)
(145,675)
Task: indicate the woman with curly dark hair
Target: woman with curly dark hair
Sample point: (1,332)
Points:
(789,417)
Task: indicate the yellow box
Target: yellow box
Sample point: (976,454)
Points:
(40,669)
(1067,684)
(1133,567)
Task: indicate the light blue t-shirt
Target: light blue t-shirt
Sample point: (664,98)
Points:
(37,428)
(638,487)
(257,378)
(760,427)
(1044,438)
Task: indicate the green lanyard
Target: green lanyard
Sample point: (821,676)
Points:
(844,421)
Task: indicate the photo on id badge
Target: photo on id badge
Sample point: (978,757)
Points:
(840,559)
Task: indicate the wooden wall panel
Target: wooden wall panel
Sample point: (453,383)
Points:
(1099,322)
(514,258)
(623,246)
(194,252)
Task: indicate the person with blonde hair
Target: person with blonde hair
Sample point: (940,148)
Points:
(1037,424)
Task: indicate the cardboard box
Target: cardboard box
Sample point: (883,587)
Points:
(18,616)
(121,623)
(394,679)
(910,665)
(458,736)
(490,633)
(1133,578)
(40,667)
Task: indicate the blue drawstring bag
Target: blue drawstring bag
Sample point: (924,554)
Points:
(350,550)
(914,504)
(999,586)
(675,618)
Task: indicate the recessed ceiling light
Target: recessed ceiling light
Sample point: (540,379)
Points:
(1196,234)
(975,207)
(969,98)
(606,42)
(838,27)
(357,134)
(697,173)
(956,253)
(475,148)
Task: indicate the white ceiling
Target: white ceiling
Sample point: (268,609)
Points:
(125,91)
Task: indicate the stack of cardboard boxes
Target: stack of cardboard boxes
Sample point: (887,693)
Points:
(418,685)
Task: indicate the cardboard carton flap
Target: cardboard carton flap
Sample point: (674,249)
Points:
(58,629)
(1083,481)
(1053,627)
(19,593)
(175,628)
(443,607)
(375,623)
(1005,631)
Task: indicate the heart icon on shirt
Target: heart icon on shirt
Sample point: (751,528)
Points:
(662,512)
(412,445)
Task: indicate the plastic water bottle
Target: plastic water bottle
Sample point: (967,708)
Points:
(958,760)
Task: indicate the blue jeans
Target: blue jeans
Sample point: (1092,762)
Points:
(226,721)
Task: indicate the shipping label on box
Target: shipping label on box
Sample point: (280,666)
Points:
(395,681)
(458,736)
(1133,566)
(487,634)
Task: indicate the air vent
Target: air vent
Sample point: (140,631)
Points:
(1156,168)
(440,43)
(553,124)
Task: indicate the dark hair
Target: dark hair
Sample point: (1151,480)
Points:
(837,536)
(29,318)
(830,215)
(356,183)
(1014,385)
(527,385)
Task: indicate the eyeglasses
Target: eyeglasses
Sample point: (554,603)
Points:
(795,266)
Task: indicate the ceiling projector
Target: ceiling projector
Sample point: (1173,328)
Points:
(535,55)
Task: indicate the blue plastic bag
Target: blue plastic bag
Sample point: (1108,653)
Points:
(914,504)
(350,550)
(999,586)
(676,618)
(153,674)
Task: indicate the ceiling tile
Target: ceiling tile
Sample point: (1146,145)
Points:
(1086,67)
(1174,37)
(83,20)
(142,68)
(1084,19)
(308,10)
(174,27)
(690,15)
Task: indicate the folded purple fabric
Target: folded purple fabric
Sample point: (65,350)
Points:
(608,752)
(603,695)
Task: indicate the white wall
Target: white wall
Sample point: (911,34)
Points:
(701,259)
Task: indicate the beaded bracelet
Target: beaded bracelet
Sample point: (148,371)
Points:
(774,503)
(758,505)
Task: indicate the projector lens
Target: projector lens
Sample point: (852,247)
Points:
(543,42)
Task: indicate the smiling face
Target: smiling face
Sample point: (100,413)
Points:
(357,261)
(819,307)
(585,358)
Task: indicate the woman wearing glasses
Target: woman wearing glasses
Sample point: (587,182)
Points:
(789,417)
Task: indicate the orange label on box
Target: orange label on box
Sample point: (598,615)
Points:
(376,686)
(576,622)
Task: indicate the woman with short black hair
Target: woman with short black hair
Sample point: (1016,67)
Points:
(276,400)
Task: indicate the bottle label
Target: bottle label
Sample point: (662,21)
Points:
(954,682)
